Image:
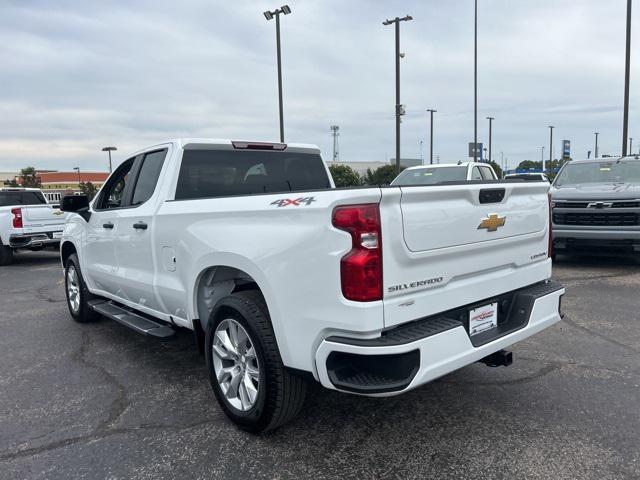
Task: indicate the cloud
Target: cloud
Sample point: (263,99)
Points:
(81,75)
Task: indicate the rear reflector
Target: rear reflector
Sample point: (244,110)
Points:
(17,217)
(361,268)
(258,146)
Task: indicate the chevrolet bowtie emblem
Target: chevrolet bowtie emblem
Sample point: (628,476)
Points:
(492,222)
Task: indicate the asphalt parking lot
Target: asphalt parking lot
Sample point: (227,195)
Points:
(99,401)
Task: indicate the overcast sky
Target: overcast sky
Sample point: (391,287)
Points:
(79,75)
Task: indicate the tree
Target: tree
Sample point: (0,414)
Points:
(496,168)
(345,176)
(89,189)
(29,178)
(381,175)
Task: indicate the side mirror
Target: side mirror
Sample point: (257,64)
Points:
(77,204)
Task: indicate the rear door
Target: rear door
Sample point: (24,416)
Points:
(460,244)
(134,244)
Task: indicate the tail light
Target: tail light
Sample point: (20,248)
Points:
(550,246)
(17,217)
(361,268)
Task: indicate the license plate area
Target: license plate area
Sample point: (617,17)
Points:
(56,235)
(482,319)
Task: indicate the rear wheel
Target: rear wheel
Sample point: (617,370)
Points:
(77,293)
(251,384)
(6,254)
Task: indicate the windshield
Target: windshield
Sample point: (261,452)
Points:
(599,172)
(429,176)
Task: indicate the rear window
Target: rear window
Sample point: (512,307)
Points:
(223,173)
(8,199)
(429,176)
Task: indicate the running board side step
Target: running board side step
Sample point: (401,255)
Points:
(134,321)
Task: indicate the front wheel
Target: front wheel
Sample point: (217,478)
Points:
(251,384)
(77,293)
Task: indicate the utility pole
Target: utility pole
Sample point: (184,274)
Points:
(630,146)
(399,106)
(551,127)
(596,149)
(475,81)
(431,112)
(269,15)
(335,134)
(625,120)
(491,119)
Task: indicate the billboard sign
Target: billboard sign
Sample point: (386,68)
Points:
(566,149)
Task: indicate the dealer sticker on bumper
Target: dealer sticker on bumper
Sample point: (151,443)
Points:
(57,235)
(483,318)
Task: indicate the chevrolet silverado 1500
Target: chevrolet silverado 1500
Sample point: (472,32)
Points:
(27,222)
(285,279)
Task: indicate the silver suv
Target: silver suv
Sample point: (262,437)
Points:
(596,205)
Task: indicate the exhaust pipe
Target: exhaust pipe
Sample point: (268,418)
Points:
(501,358)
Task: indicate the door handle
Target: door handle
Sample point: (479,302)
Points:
(140,226)
(108,225)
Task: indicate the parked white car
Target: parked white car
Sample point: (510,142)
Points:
(285,279)
(444,172)
(27,222)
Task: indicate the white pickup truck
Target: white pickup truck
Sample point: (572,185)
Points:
(27,222)
(285,279)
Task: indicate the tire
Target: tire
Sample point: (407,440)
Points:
(74,283)
(6,255)
(280,393)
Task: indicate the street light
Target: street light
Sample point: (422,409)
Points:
(431,111)
(551,127)
(109,149)
(596,149)
(630,146)
(269,15)
(399,107)
(491,119)
(625,120)
(77,169)
(475,80)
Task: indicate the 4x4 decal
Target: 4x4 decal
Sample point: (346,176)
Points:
(283,202)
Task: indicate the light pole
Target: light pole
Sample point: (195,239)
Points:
(475,81)
(491,119)
(542,155)
(431,111)
(596,149)
(335,133)
(551,127)
(77,169)
(630,146)
(269,15)
(399,108)
(625,120)
(109,150)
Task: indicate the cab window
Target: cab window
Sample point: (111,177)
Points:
(113,193)
(475,174)
(148,176)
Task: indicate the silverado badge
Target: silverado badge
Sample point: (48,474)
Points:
(492,222)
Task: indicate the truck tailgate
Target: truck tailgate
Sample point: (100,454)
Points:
(458,244)
(34,216)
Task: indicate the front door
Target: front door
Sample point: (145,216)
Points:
(99,256)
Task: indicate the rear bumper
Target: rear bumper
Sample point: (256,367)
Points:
(417,353)
(34,240)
